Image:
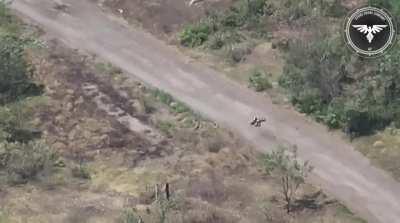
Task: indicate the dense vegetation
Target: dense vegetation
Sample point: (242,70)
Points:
(258,80)
(340,89)
(392,5)
(248,19)
(22,156)
(231,31)
(219,29)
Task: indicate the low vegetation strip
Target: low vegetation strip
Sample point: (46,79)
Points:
(22,155)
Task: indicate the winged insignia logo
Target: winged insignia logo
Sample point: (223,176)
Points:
(370,30)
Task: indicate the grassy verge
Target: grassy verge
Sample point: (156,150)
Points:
(232,32)
(383,149)
(23,156)
(189,118)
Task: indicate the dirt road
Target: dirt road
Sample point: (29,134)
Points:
(339,170)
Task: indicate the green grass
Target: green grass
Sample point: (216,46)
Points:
(174,105)
(4,217)
(244,21)
(8,23)
(189,117)
(24,156)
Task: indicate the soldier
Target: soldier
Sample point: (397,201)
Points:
(254,122)
(260,121)
(257,121)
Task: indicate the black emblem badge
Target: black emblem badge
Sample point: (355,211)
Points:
(370,31)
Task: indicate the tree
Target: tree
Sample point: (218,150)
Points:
(290,170)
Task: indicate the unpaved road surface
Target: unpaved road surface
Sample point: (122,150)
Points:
(339,169)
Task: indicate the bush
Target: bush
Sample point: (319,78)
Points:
(340,90)
(22,162)
(166,127)
(224,39)
(258,81)
(392,5)
(81,171)
(167,99)
(215,143)
(129,216)
(334,8)
(179,107)
(309,101)
(220,29)
(8,23)
(292,10)
(13,121)
(163,97)
(314,75)
(333,116)
(195,35)
(14,71)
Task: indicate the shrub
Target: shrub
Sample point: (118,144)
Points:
(333,116)
(7,21)
(233,19)
(334,8)
(314,75)
(258,81)
(195,35)
(238,52)
(13,121)
(22,162)
(14,71)
(290,170)
(220,29)
(166,127)
(309,101)
(392,5)
(167,99)
(81,171)
(179,107)
(224,39)
(340,90)
(215,143)
(217,41)
(291,10)
(163,97)
(130,216)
